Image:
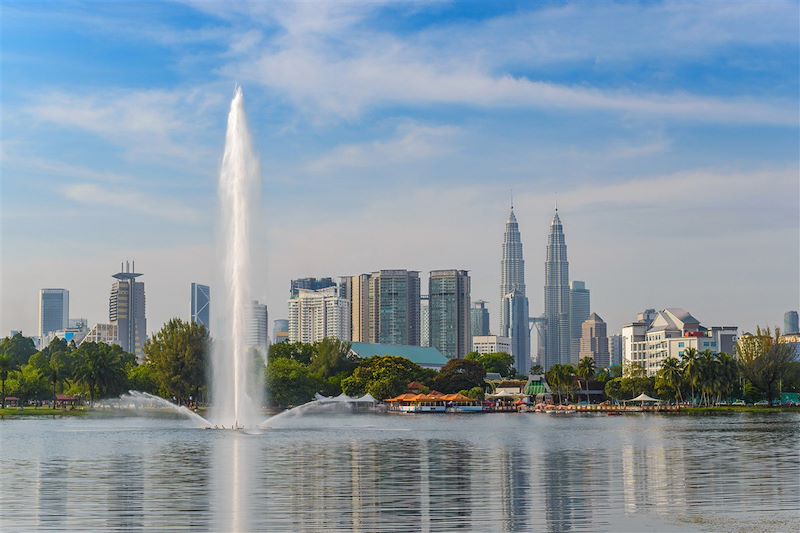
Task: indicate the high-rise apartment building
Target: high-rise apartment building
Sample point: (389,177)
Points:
(257,335)
(449,294)
(394,297)
(126,310)
(556,298)
(594,341)
(311,284)
(790,323)
(579,312)
(53,311)
(201,305)
(424,321)
(479,318)
(355,289)
(315,315)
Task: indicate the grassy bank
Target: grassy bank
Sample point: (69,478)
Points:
(16,412)
(738,409)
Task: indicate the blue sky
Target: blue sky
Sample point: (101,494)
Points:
(390,135)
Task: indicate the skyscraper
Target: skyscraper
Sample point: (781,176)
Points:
(579,306)
(515,307)
(514,322)
(394,307)
(258,327)
(53,311)
(790,323)
(512,266)
(479,318)
(126,310)
(449,293)
(594,341)
(201,305)
(556,297)
(312,284)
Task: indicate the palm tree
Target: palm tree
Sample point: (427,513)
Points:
(6,365)
(585,371)
(672,374)
(691,368)
(55,372)
(708,376)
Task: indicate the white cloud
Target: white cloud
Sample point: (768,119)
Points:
(146,124)
(412,142)
(129,200)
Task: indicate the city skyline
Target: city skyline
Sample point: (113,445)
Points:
(621,133)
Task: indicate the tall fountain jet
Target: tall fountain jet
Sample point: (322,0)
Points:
(236,389)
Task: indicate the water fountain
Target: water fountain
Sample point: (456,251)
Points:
(235,392)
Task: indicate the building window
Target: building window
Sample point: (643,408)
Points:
(680,345)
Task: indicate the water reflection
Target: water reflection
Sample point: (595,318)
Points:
(401,474)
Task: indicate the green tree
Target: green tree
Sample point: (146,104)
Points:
(296,351)
(585,371)
(614,389)
(7,366)
(102,368)
(56,370)
(290,383)
(143,378)
(764,360)
(498,362)
(385,377)
(32,383)
(178,353)
(561,379)
(669,379)
(692,369)
(332,356)
(18,348)
(476,393)
(459,374)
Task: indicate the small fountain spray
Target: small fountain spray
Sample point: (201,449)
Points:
(235,396)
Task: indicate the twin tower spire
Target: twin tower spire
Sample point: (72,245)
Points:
(514,312)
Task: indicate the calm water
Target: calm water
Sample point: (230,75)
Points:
(405,473)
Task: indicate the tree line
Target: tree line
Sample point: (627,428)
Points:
(761,367)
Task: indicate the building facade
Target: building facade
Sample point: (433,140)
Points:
(126,310)
(579,305)
(355,289)
(449,306)
(105,333)
(315,315)
(53,311)
(669,334)
(280,331)
(594,341)
(201,305)
(790,323)
(424,321)
(479,318)
(491,344)
(557,298)
(615,349)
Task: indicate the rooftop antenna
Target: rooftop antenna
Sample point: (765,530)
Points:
(512,199)
(133,265)
(127,266)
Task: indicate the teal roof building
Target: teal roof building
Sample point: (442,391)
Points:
(426,357)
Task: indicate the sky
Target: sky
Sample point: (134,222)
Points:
(391,135)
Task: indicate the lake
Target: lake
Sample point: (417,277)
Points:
(492,472)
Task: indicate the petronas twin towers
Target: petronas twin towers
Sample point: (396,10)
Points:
(514,312)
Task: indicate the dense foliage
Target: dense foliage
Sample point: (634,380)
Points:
(499,362)
(176,357)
